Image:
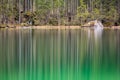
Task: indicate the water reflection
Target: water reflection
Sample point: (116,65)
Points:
(28,54)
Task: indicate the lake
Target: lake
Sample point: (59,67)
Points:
(35,54)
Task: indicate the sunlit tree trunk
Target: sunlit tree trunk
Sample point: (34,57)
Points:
(34,5)
(19,11)
(118,6)
(58,13)
(52,6)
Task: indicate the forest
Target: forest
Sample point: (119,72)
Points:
(59,12)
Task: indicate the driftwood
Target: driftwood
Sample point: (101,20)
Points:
(89,24)
(94,23)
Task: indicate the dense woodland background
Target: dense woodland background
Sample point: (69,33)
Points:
(59,12)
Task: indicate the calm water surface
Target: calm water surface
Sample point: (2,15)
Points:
(29,54)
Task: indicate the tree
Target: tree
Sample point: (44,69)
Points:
(58,12)
(82,12)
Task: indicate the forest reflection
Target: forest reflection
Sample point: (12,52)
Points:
(30,54)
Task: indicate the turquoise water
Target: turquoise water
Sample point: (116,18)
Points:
(31,54)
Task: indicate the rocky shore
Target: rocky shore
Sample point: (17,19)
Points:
(51,27)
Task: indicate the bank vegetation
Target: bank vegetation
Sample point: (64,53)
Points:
(58,12)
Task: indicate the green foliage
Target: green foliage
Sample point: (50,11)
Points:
(42,11)
(54,12)
(95,14)
(112,14)
(82,12)
(58,3)
(29,17)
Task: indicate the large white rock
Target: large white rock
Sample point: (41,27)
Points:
(98,25)
(95,27)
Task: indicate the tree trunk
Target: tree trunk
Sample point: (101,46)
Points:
(19,11)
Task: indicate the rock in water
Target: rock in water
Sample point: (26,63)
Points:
(98,29)
(98,25)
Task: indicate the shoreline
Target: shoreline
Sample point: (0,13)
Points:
(55,27)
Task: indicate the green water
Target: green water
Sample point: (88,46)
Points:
(29,54)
